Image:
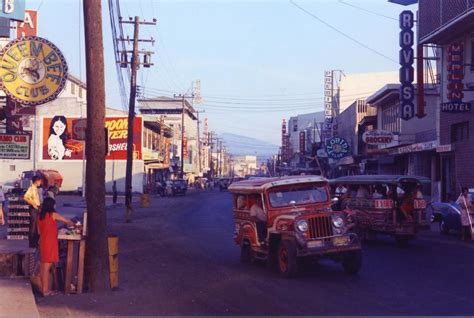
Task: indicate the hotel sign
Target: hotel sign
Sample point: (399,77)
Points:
(328,99)
(455,87)
(407,90)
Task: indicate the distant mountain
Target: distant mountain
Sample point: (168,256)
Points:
(240,146)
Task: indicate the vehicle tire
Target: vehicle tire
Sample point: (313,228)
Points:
(245,252)
(352,262)
(402,240)
(287,262)
(443,228)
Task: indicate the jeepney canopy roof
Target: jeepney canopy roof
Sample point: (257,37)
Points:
(260,184)
(380,179)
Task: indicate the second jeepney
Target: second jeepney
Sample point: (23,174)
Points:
(280,220)
(385,204)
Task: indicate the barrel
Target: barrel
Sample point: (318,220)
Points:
(145,200)
(113,260)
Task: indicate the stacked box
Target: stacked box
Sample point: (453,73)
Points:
(18,218)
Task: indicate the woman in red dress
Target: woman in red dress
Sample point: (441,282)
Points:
(49,249)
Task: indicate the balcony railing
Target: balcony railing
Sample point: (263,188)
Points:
(433,14)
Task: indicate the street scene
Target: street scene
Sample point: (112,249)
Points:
(236,158)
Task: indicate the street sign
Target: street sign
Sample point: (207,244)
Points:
(12,9)
(377,137)
(404,2)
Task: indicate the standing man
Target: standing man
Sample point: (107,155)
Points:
(33,199)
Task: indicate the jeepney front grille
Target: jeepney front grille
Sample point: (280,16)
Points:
(320,226)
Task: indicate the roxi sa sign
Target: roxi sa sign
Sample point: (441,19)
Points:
(407,90)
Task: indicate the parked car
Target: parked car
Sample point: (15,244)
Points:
(224,183)
(447,215)
(50,178)
(178,186)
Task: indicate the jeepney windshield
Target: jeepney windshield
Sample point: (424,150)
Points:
(298,196)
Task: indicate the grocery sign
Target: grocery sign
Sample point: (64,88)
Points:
(64,138)
(377,137)
(13,146)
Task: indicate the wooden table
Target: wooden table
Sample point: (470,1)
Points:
(71,240)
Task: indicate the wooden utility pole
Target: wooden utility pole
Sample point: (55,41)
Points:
(96,258)
(211,147)
(134,63)
(199,140)
(183,130)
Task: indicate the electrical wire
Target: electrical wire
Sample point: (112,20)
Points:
(343,33)
(367,10)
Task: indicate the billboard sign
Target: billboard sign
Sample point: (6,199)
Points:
(12,9)
(407,90)
(455,89)
(337,148)
(64,138)
(377,137)
(29,26)
(14,146)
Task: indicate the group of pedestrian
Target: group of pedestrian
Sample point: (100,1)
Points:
(43,230)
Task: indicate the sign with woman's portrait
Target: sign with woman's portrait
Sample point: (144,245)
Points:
(64,138)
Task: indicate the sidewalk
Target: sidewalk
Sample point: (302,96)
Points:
(16,298)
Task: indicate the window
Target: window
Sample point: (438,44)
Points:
(73,88)
(80,92)
(460,131)
(295,125)
(12,168)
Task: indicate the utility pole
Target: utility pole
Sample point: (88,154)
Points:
(219,143)
(134,63)
(96,258)
(211,147)
(183,130)
(199,139)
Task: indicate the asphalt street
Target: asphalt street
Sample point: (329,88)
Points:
(178,258)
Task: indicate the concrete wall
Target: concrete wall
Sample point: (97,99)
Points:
(347,127)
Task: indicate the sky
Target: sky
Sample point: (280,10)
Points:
(258,61)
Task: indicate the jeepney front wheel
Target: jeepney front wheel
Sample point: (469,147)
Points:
(246,252)
(287,264)
(352,262)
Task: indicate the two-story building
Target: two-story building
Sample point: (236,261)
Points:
(179,115)
(449,24)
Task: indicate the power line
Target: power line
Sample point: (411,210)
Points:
(367,10)
(343,33)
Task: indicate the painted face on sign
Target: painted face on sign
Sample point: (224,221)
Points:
(59,127)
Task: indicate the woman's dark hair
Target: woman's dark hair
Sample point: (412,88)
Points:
(464,189)
(62,119)
(47,207)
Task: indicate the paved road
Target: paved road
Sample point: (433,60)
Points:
(178,258)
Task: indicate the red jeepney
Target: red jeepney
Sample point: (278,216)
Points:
(282,219)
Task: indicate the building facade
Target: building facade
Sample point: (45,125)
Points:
(449,25)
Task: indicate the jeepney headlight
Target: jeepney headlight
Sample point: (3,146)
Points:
(337,221)
(338,230)
(302,225)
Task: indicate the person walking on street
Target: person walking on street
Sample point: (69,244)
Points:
(32,197)
(465,202)
(49,246)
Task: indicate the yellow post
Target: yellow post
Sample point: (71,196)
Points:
(113,260)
